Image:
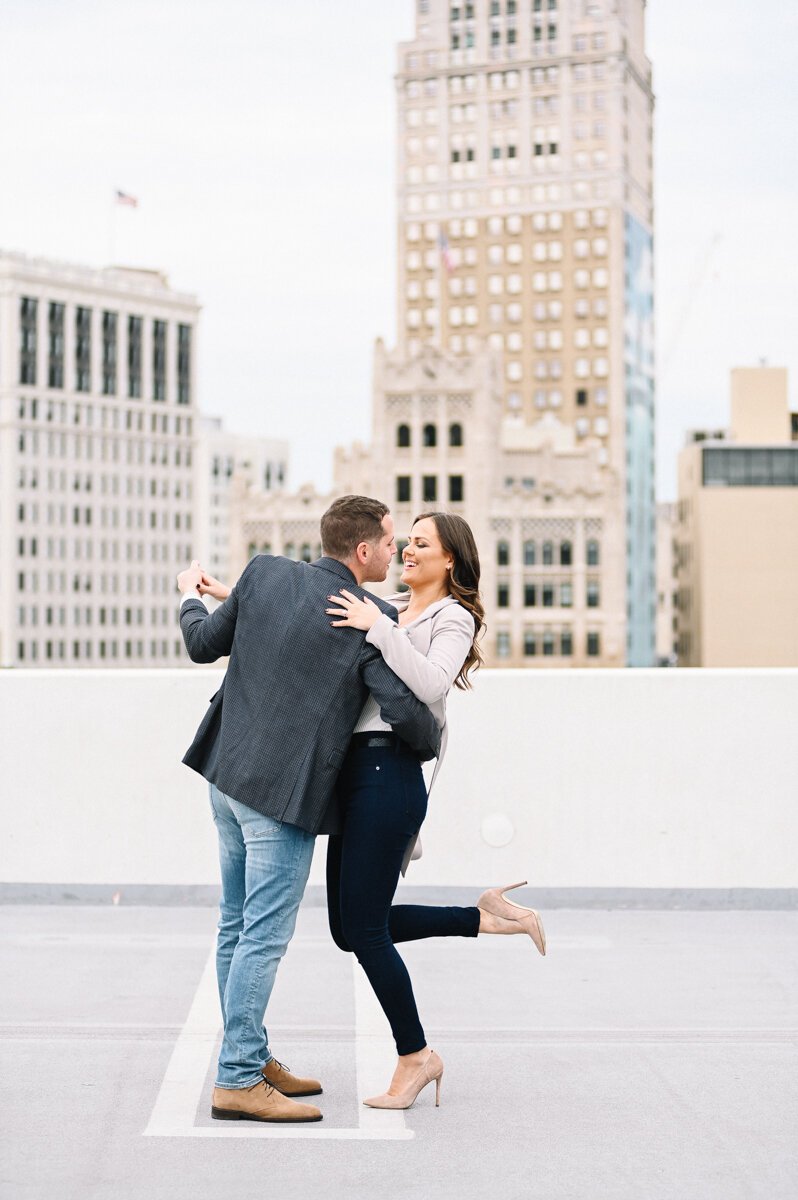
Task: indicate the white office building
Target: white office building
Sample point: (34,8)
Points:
(98,490)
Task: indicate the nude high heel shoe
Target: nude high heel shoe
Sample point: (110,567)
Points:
(493,901)
(432,1070)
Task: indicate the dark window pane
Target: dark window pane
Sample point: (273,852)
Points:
(429,488)
(455,489)
(403,435)
(503,554)
(430,435)
(403,489)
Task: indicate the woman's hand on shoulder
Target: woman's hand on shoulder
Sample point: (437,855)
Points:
(208,586)
(353,612)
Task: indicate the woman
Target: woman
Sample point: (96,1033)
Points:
(383,797)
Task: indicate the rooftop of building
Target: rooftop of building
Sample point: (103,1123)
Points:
(650,1054)
(124,280)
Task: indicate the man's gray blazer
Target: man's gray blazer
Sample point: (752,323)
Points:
(276,732)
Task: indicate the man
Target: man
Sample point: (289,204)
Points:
(271,745)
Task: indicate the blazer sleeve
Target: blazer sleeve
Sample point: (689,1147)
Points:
(209,636)
(429,676)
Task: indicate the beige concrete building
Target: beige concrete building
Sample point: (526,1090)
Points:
(737,533)
(97,464)
(260,463)
(525,216)
(545,512)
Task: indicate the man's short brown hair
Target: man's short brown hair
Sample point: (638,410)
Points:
(350,521)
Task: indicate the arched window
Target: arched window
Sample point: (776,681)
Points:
(266,548)
(430,435)
(548,554)
(565,554)
(592,553)
(403,435)
(289,550)
(456,434)
(529,554)
(305,555)
(503,554)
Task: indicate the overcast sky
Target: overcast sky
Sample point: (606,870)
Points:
(258,137)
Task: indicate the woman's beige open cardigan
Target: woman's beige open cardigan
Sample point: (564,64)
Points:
(427,655)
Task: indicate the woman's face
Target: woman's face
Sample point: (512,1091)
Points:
(425,560)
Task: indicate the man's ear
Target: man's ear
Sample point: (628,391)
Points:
(362,553)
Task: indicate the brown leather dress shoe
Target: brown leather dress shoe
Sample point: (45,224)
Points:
(261,1102)
(281,1078)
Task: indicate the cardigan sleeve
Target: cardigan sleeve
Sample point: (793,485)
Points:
(429,676)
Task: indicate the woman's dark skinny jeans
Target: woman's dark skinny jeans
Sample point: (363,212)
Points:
(383,803)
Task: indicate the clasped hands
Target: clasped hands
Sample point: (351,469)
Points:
(355,613)
(195,579)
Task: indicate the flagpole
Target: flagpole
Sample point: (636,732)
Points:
(112,232)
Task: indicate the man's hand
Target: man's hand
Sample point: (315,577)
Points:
(190,579)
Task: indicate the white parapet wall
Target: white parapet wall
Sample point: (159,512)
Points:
(573,779)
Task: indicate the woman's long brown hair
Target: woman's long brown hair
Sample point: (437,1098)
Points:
(458,540)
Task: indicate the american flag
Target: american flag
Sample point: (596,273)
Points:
(124,198)
(443,244)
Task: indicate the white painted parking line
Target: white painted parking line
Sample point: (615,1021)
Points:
(184,1082)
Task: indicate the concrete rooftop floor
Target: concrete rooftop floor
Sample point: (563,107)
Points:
(650,1055)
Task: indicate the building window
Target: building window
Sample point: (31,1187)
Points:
(456,434)
(593,645)
(403,436)
(28,308)
(55,348)
(184,364)
(429,488)
(565,554)
(566,643)
(110,323)
(548,595)
(529,554)
(503,644)
(456,489)
(592,553)
(548,643)
(548,554)
(503,554)
(503,595)
(566,594)
(430,436)
(159,360)
(581,397)
(530,595)
(134,336)
(530,644)
(593,599)
(83,350)
(402,489)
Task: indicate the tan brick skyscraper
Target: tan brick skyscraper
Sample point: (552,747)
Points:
(524,190)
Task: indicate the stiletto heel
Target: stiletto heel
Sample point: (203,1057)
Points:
(432,1071)
(494,902)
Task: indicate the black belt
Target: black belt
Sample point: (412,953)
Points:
(374,739)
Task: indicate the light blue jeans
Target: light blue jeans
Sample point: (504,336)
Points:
(265,866)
